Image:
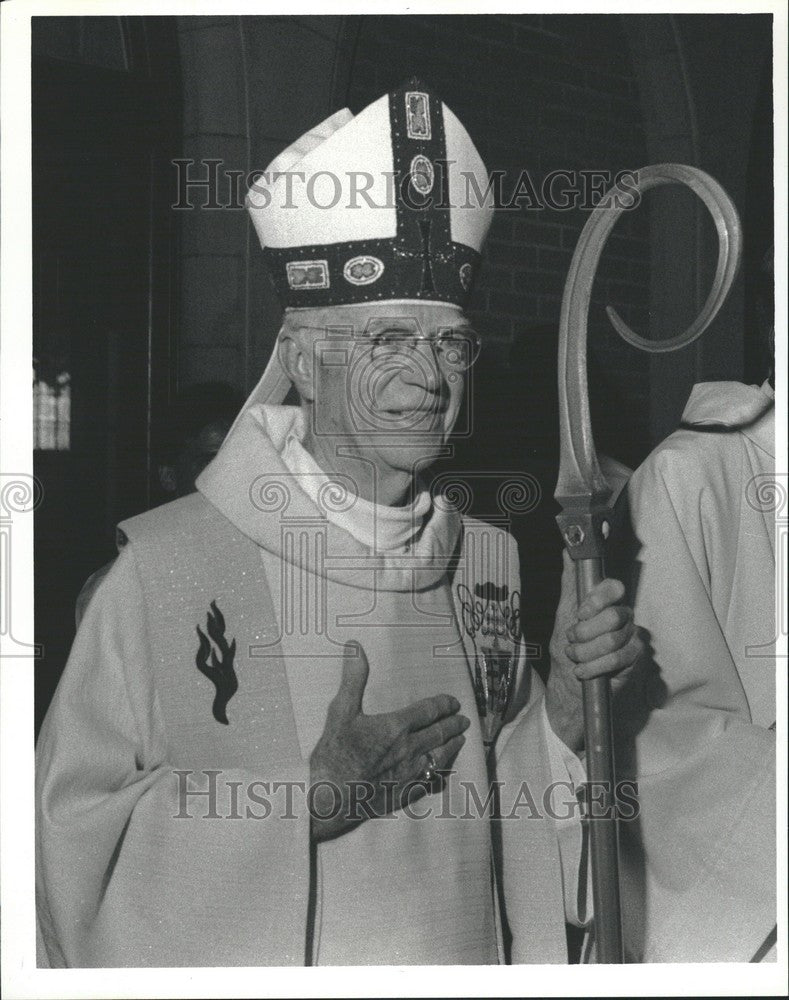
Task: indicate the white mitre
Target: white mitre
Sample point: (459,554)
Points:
(390,204)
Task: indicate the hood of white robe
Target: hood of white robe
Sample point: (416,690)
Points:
(303,517)
(749,409)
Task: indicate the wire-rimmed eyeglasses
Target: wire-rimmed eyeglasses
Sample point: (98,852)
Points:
(456,347)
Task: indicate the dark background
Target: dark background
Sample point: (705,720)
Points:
(134,300)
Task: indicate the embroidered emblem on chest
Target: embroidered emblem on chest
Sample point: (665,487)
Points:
(417,115)
(220,672)
(491,611)
(306,274)
(465,274)
(491,619)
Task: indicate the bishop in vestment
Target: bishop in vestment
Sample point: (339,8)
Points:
(267,746)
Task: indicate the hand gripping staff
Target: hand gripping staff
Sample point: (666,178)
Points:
(585,495)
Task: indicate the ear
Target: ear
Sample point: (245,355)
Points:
(295,356)
(168,479)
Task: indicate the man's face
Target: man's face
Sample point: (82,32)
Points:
(383,390)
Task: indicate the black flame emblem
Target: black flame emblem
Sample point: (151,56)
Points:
(220,671)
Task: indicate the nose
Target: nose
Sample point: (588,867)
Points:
(424,369)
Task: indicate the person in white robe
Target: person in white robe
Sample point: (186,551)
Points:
(696,721)
(266,748)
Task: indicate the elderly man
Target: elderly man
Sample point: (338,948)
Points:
(268,747)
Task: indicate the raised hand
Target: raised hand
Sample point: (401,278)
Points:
(377,762)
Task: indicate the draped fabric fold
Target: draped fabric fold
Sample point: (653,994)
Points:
(694,728)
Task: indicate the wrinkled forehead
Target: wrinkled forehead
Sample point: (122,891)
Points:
(408,313)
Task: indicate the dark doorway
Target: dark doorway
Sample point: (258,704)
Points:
(105,125)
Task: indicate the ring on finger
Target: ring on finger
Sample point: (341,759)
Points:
(429,772)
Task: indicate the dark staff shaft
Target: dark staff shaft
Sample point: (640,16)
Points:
(601,802)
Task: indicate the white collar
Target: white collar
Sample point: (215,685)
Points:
(381,528)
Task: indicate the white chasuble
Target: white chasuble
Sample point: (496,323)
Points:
(213,648)
(400,889)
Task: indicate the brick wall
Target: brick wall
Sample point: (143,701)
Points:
(537,93)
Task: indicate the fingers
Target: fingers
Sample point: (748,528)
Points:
(355,671)
(611,619)
(612,663)
(413,784)
(609,642)
(443,755)
(435,736)
(604,627)
(425,712)
(601,596)
(405,756)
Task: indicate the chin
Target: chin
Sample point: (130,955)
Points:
(413,456)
